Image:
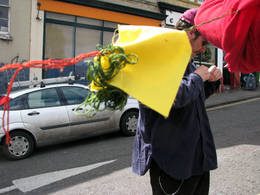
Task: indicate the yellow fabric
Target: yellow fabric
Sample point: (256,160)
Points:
(163,55)
(105,65)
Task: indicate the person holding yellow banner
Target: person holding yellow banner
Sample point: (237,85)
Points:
(179,150)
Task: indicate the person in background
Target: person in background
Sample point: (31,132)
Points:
(179,151)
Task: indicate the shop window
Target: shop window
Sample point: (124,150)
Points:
(60,17)
(89,21)
(110,24)
(58,44)
(59,40)
(68,36)
(107,37)
(86,40)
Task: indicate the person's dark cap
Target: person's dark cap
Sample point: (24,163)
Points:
(189,15)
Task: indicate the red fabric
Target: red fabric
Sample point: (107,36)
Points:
(3,100)
(238,34)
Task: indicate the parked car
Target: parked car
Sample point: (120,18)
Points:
(44,115)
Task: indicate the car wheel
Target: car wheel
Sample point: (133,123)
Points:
(21,145)
(128,122)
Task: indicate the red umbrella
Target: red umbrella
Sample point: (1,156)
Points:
(237,32)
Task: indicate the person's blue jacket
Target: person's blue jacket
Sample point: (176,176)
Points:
(182,145)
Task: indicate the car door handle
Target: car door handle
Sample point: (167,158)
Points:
(77,109)
(33,113)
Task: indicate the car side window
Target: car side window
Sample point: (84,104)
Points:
(74,95)
(43,98)
(18,103)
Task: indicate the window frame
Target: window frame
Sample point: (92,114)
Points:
(3,34)
(62,89)
(42,91)
(53,18)
(23,103)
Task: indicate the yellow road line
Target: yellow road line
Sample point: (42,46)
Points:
(233,104)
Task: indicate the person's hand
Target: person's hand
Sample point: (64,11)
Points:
(215,73)
(203,72)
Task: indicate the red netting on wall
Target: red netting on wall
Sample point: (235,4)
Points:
(43,64)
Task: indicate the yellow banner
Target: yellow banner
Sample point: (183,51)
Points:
(163,55)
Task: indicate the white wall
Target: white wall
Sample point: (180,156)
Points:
(20,16)
(36,39)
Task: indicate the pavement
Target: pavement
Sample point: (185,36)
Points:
(231,96)
(239,161)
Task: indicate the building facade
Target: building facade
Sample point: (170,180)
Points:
(42,29)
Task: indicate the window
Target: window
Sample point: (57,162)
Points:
(74,95)
(86,40)
(43,98)
(4,16)
(59,40)
(206,58)
(18,103)
(67,36)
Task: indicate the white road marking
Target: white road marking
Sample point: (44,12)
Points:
(31,183)
(7,189)
(233,104)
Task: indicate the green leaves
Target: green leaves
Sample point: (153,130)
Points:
(100,71)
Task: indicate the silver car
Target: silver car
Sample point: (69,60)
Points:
(44,115)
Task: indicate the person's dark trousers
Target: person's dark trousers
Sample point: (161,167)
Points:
(162,184)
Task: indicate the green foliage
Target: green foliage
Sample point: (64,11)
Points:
(100,71)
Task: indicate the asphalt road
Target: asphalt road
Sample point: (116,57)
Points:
(102,165)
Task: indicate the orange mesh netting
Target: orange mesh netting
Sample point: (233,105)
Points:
(43,64)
